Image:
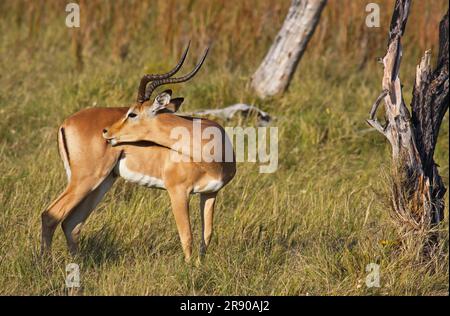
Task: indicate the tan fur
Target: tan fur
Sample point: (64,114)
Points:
(93,165)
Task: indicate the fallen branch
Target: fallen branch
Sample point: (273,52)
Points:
(229,112)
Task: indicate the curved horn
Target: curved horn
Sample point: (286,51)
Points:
(152,86)
(149,77)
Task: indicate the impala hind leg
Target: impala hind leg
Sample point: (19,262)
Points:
(180,208)
(73,223)
(207,201)
(61,207)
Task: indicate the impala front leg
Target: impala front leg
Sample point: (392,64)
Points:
(180,207)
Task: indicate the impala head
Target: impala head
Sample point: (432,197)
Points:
(135,124)
(137,121)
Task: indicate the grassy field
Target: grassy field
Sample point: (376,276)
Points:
(308,229)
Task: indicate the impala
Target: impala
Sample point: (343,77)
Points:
(93,159)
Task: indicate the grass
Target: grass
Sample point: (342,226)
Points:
(308,229)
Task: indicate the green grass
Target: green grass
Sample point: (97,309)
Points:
(308,229)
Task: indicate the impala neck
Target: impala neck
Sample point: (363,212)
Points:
(162,131)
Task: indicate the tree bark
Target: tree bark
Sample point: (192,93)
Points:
(429,105)
(418,191)
(275,72)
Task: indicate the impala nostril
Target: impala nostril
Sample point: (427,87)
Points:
(105,131)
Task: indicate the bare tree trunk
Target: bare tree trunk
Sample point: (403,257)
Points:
(418,190)
(275,72)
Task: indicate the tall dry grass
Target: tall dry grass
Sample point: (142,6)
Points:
(239,30)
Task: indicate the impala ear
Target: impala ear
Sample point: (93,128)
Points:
(174,104)
(161,101)
(163,98)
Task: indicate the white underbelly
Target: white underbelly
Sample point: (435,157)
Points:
(150,181)
(135,177)
(211,186)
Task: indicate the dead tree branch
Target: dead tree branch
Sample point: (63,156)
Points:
(418,190)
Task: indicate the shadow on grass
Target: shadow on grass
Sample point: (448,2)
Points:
(100,247)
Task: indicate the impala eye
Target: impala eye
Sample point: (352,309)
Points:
(131,115)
